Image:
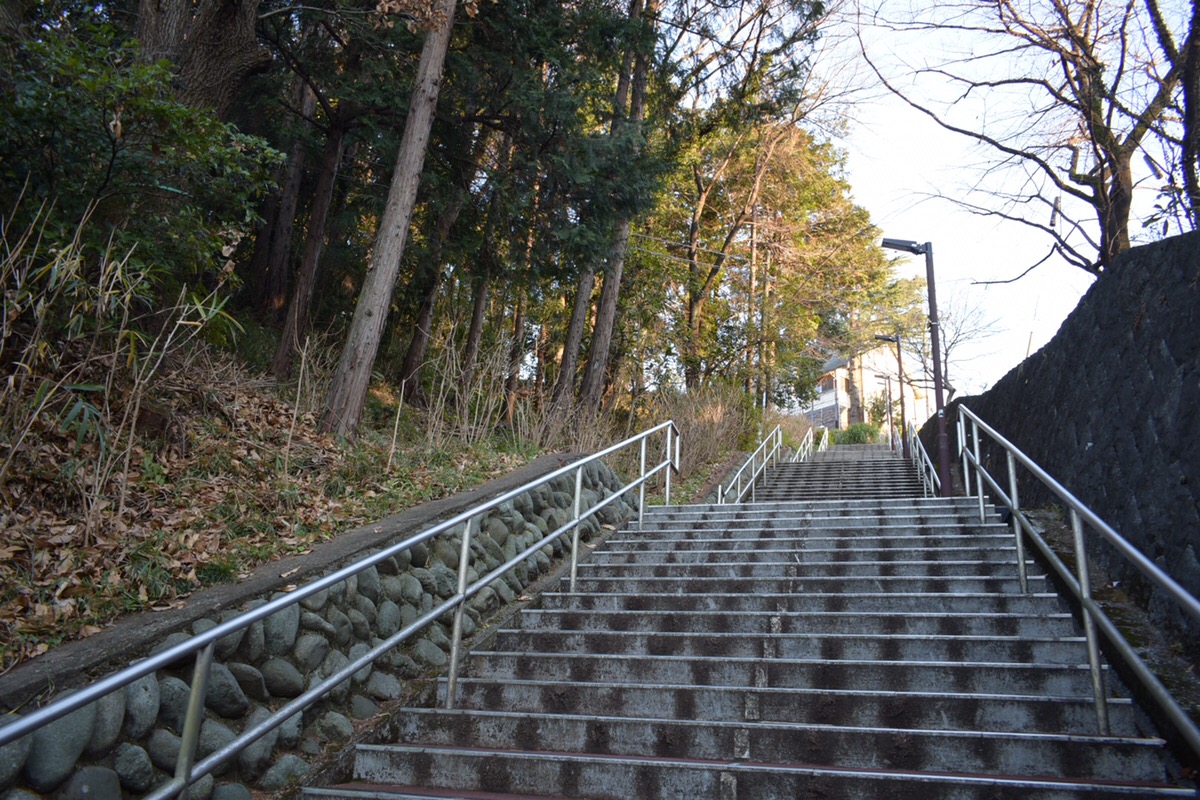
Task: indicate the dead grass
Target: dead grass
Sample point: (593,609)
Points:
(224,476)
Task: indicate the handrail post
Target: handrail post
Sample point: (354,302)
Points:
(677,451)
(667,491)
(641,488)
(754,468)
(978,469)
(575,531)
(1018,536)
(195,715)
(1089,625)
(962,451)
(464,562)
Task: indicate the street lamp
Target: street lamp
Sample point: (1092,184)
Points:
(900,369)
(943,443)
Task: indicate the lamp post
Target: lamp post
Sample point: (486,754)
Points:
(900,369)
(943,442)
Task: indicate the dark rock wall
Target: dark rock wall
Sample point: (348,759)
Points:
(1111,408)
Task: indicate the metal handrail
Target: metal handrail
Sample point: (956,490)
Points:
(824,445)
(187,771)
(768,449)
(805,450)
(1094,617)
(931,482)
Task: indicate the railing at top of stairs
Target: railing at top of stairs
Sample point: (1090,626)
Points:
(971,429)
(188,770)
(931,483)
(742,482)
(806,449)
(768,452)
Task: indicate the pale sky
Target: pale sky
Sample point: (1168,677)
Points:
(896,158)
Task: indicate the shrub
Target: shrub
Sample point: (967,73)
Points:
(858,433)
(712,422)
(86,124)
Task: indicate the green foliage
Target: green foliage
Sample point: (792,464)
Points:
(858,433)
(86,124)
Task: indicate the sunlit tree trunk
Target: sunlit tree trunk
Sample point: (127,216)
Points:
(348,392)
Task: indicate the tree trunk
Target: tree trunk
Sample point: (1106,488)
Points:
(256,273)
(691,348)
(13,13)
(1190,79)
(213,44)
(1114,234)
(430,275)
(479,301)
(348,392)
(592,390)
(296,322)
(564,387)
(278,267)
(431,283)
(515,354)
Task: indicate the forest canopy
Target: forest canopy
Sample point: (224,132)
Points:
(608,200)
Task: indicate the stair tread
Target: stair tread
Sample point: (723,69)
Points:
(781,725)
(736,766)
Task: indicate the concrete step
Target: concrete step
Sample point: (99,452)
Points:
(573,775)
(843,491)
(881,709)
(887,647)
(925,523)
(893,502)
(848,542)
(865,507)
(772,551)
(792,602)
(884,584)
(738,568)
(816,673)
(988,752)
(759,622)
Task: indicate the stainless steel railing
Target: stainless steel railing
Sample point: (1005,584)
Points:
(188,771)
(810,445)
(931,483)
(744,480)
(805,450)
(1094,618)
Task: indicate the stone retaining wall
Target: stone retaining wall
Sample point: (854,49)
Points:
(1111,408)
(126,743)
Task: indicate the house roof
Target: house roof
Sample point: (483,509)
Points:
(834,363)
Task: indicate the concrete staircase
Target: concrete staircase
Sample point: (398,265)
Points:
(835,649)
(843,472)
